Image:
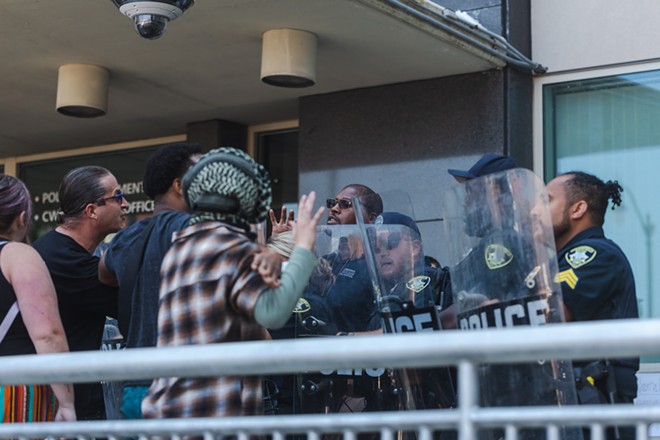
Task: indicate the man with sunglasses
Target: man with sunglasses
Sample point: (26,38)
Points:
(410,293)
(345,306)
(351,297)
(341,210)
(401,266)
(91,207)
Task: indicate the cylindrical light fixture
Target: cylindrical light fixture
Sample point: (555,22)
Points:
(288,58)
(82,90)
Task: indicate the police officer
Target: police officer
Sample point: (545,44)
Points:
(408,276)
(596,277)
(409,295)
(501,251)
(499,274)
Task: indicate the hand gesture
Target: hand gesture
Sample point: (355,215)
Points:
(269,265)
(285,223)
(304,229)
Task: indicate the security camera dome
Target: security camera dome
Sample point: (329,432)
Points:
(150,26)
(151,17)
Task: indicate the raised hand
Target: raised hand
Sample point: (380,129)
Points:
(285,223)
(304,229)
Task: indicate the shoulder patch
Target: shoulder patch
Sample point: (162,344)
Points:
(580,255)
(567,276)
(497,256)
(418,284)
(302,306)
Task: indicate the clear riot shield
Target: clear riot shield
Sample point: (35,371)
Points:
(339,300)
(407,295)
(503,266)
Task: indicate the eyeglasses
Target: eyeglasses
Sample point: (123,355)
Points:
(343,203)
(392,242)
(119,197)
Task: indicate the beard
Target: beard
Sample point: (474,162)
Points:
(563,227)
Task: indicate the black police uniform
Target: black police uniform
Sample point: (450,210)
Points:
(351,297)
(597,283)
(499,268)
(420,296)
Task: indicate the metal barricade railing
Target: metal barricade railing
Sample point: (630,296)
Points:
(467,350)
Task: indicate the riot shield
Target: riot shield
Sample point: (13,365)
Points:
(503,272)
(407,295)
(339,300)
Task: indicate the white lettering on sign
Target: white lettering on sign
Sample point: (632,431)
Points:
(50,197)
(524,311)
(411,320)
(371,372)
(49,216)
(131,188)
(140,206)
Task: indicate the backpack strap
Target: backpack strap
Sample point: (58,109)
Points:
(8,321)
(11,314)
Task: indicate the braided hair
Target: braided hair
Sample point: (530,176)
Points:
(228,185)
(597,194)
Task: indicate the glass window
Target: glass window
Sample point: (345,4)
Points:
(610,127)
(43,179)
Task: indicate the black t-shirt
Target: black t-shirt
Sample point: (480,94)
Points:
(84,304)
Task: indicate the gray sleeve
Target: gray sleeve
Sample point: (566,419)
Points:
(274,306)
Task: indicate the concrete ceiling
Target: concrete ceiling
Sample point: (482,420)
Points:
(206,66)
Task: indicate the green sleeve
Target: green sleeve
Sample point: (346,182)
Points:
(274,306)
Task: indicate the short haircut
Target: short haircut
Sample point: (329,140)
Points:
(369,198)
(14,199)
(583,186)
(79,187)
(167,163)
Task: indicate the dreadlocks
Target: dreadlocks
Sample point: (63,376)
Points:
(597,194)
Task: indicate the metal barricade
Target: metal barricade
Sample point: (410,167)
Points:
(466,350)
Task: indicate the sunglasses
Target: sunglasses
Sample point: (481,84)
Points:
(343,203)
(119,197)
(392,242)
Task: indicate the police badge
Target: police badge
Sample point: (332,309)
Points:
(418,284)
(497,256)
(581,255)
(302,306)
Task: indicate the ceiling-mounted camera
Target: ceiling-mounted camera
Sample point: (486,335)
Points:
(151,17)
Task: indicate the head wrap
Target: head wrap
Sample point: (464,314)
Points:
(228,185)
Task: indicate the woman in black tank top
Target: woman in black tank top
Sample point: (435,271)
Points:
(29,318)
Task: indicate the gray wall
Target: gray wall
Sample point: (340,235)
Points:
(569,34)
(405,136)
(402,137)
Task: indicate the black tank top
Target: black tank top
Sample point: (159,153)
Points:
(17,340)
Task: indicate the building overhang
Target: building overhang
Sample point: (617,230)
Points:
(207,65)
